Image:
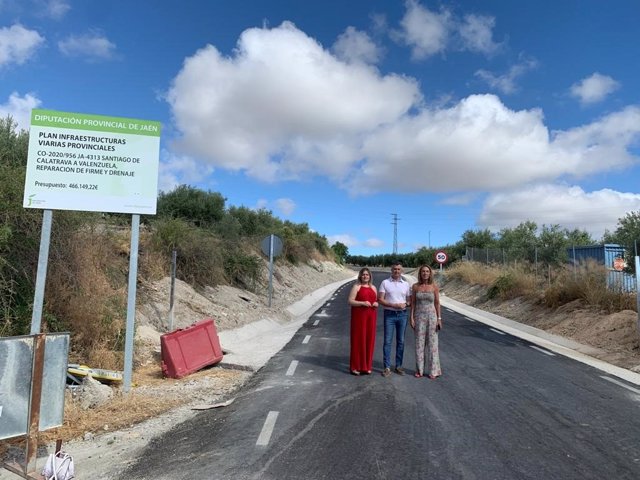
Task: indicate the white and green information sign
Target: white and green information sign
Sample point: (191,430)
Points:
(92,163)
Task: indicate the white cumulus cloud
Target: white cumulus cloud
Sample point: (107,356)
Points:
(356,46)
(55,9)
(92,46)
(373,243)
(424,30)
(569,206)
(285,206)
(178,170)
(476,32)
(481,145)
(18,44)
(429,32)
(594,88)
(19,108)
(282,106)
(507,83)
(343,238)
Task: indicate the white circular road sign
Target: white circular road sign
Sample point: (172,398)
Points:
(441,257)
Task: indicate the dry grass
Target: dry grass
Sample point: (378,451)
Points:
(122,411)
(513,282)
(587,283)
(86,292)
(151,396)
(474,273)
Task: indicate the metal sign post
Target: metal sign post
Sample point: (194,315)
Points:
(270,268)
(638,287)
(271,247)
(131,302)
(173,287)
(441,257)
(41,276)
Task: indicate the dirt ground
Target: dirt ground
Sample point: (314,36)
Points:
(104,439)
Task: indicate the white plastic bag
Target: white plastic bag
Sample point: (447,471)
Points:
(59,466)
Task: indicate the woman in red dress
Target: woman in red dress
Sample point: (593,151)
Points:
(363,299)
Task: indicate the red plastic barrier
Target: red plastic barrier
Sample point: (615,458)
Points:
(185,351)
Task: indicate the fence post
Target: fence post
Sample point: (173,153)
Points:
(574,261)
(637,284)
(174,256)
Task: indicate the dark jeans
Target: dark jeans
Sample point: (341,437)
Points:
(394,320)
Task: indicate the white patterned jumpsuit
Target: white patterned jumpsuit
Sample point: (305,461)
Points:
(426,320)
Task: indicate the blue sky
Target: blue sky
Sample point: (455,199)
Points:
(451,115)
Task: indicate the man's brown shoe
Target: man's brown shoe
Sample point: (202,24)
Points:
(400,371)
(386,372)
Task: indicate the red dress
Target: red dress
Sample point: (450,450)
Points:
(363,331)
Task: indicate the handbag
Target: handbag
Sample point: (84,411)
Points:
(59,466)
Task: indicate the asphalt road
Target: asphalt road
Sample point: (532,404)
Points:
(503,409)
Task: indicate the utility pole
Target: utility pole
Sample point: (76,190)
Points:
(395,232)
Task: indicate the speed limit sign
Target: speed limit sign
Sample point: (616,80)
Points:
(441,257)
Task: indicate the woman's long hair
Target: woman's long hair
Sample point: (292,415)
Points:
(429,280)
(363,270)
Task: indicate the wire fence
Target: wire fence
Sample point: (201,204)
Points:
(621,274)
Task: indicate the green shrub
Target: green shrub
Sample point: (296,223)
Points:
(202,209)
(512,283)
(501,287)
(242,269)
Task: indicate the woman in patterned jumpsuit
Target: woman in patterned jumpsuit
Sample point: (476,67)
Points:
(426,322)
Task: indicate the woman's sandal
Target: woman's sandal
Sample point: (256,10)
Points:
(355,372)
(417,375)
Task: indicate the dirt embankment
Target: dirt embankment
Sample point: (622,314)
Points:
(616,334)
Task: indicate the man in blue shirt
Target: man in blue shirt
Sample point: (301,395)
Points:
(394,295)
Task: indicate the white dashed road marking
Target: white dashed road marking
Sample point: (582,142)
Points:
(315,324)
(306,339)
(292,367)
(267,429)
(546,352)
(497,331)
(634,390)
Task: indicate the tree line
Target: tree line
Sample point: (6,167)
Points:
(527,241)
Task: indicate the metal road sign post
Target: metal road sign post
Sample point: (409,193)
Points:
(174,259)
(638,290)
(441,257)
(41,276)
(271,247)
